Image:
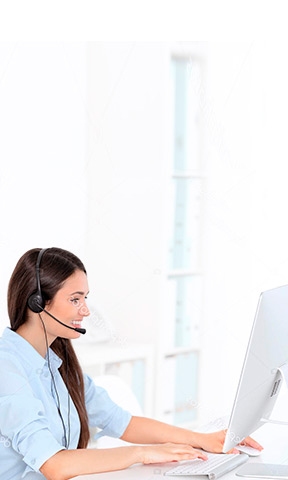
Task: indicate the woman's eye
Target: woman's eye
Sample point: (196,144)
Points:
(76,300)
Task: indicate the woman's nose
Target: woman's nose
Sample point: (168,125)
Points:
(83,310)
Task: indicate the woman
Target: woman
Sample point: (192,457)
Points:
(45,429)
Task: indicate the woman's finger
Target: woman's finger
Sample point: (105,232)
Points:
(233,450)
(201,455)
(191,455)
(252,443)
(183,449)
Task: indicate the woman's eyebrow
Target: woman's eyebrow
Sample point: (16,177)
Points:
(80,293)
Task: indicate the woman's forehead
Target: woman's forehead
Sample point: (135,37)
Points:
(76,283)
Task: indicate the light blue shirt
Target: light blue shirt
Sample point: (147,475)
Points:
(31,430)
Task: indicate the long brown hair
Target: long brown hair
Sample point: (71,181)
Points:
(56,266)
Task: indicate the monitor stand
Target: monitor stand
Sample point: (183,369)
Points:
(268,470)
(284,373)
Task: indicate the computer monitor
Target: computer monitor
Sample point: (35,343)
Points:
(260,379)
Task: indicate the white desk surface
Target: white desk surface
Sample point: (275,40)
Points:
(274,439)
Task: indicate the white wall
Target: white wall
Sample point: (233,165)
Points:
(67,119)
(42,151)
(125,219)
(246,233)
(243,107)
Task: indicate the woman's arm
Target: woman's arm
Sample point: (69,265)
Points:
(67,464)
(147,430)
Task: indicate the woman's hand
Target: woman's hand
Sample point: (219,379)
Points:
(167,452)
(214,442)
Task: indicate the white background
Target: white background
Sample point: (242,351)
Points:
(82,156)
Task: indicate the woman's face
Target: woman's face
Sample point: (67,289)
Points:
(68,306)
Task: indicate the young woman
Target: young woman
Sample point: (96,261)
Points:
(43,428)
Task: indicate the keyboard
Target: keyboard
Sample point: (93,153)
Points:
(217,465)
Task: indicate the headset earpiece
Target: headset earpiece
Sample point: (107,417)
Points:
(36,303)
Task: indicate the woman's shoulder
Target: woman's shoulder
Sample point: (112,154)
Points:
(13,375)
(9,358)
(11,354)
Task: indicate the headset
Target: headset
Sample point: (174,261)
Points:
(36,303)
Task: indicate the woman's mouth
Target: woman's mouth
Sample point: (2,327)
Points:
(75,322)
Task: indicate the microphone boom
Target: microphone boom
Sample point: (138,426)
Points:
(79,330)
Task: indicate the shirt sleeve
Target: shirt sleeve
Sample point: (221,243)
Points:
(103,412)
(22,417)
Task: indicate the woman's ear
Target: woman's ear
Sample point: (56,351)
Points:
(47,304)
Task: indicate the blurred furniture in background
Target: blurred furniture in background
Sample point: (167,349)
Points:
(133,363)
(121,393)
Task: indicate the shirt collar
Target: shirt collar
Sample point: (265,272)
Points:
(29,352)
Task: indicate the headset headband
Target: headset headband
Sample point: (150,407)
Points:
(35,301)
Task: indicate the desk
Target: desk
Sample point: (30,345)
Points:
(274,439)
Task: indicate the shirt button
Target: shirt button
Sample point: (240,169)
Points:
(46,374)
(33,461)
